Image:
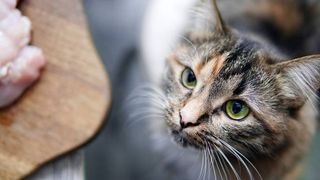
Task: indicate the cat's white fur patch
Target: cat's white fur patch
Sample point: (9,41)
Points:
(161,31)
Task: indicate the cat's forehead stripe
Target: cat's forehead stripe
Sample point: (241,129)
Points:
(219,63)
(212,67)
(239,63)
(240,60)
(237,59)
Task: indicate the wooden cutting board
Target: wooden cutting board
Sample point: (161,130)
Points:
(66,107)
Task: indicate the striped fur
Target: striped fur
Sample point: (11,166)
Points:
(230,64)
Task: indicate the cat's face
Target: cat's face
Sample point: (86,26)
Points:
(227,89)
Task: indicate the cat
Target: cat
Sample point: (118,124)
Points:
(241,92)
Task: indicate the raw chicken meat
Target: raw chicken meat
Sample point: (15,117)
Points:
(20,63)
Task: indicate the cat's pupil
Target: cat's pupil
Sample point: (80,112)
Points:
(237,107)
(191,77)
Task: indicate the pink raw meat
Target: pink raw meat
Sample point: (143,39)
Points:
(20,63)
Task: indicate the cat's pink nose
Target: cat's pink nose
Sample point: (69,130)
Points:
(192,114)
(187,120)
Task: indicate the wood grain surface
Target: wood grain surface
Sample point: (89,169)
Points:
(66,107)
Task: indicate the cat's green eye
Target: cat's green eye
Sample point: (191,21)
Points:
(236,109)
(188,78)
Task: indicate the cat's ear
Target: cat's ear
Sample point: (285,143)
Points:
(220,26)
(300,79)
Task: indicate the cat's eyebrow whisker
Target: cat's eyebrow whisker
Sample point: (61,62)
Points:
(192,45)
(209,51)
(246,159)
(229,163)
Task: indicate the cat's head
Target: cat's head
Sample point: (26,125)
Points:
(224,88)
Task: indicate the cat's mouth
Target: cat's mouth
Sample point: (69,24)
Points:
(186,140)
(195,137)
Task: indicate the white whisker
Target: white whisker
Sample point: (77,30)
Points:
(216,161)
(221,165)
(229,163)
(242,162)
(205,163)
(201,169)
(192,45)
(246,159)
(211,159)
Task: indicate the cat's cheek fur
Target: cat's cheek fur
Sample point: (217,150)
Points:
(241,134)
(174,120)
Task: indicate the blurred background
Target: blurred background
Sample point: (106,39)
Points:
(118,153)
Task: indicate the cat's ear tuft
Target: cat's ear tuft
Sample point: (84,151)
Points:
(300,79)
(220,26)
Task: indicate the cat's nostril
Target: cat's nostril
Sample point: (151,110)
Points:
(184,123)
(189,124)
